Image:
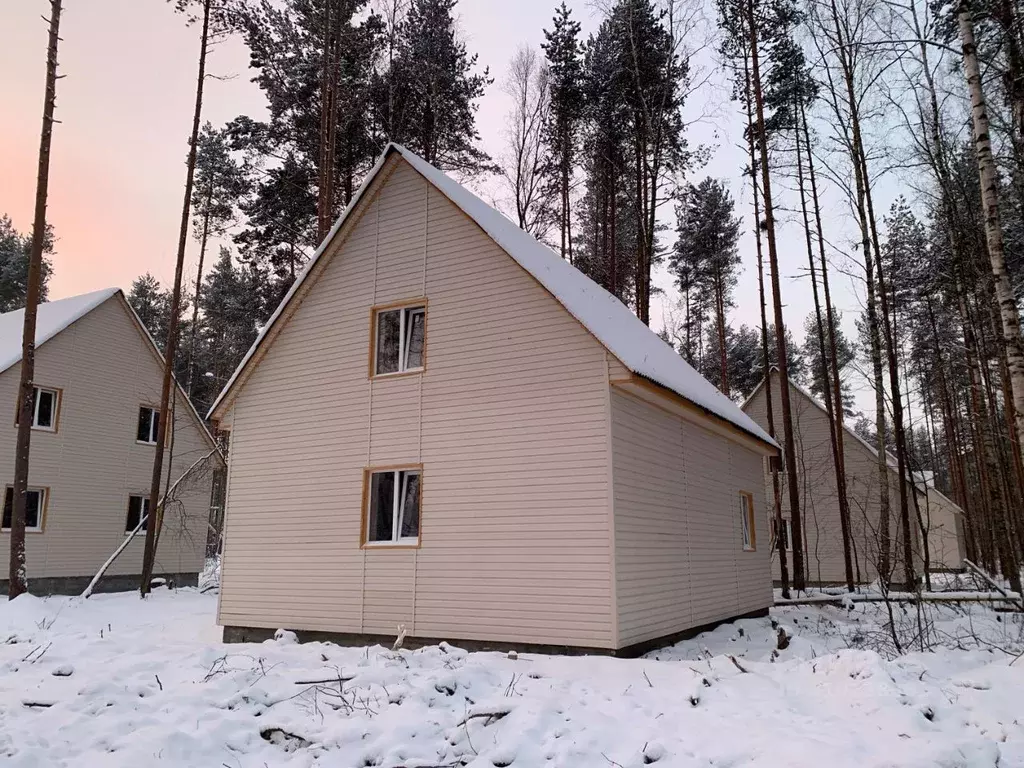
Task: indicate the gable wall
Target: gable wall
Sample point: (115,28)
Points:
(509,419)
(106,369)
(819,495)
(945,531)
(679,558)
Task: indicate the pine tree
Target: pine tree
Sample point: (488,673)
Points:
(14,259)
(219,183)
(428,98)
(564,53)
(818,374)
(705,253)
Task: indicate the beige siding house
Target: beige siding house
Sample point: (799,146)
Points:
(822,534)
(448,429)
(945,521)
(98,378)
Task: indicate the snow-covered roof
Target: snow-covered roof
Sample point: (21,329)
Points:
(889,458)
(52,317)
(608,319)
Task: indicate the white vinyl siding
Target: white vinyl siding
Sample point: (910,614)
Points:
(679,561)
(822,533)
(508,418)
(104,368)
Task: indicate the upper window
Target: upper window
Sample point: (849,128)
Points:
(393,516)
(747,521)
(138,508)
(149,425)
(399,338)
(35,503)
(44,408)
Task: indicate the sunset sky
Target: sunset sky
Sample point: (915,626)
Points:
(125,106)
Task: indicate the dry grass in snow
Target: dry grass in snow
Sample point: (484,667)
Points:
(115,681)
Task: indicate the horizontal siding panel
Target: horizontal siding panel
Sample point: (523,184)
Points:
(509,419)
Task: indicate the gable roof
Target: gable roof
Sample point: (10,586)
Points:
(638,348)
(890,460)
(52,317)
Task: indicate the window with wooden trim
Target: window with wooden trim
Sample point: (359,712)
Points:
(45,405)
(399,339)
(149,425)
(35,507)
(747,521)
(775,463)
(138,508)
(393,507)
(786,532)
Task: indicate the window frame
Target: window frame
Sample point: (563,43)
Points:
(142,511)
(156,437)
(364,524)
(45,491)
(748,521)
(400,306)
(58,398)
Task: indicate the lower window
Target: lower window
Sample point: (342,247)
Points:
(138,508)
(393,516)
(747,521)
(35,504)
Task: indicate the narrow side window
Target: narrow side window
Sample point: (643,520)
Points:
(747,522)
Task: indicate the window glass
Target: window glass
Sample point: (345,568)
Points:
(410,505)
(389,334)
(382,506)
(33,508)
(747,520)
(415,326)
(138,507)
(45,406)
(149,424)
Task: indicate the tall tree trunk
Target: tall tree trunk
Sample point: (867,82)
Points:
(171,347)
(789,439)
(327,119)
(827,363)
(723,352)
(17,576)
(192,331)
(989,179)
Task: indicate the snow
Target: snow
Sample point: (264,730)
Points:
(608,319)
(150,684)
(52,317)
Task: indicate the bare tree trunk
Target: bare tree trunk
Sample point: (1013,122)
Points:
(989,179)
(170,348)
(195,298)
(327,121)
(789,440)
(18,577)
(827,361)
(723,352)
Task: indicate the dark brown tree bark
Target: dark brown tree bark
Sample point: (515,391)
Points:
(789,439)
(171,346)
(829,363)
(18,577)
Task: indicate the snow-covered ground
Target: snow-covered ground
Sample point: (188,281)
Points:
(115,681)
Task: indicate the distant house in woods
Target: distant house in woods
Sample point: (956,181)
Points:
(945,521)
(445,427)
(97,382)
(822,534)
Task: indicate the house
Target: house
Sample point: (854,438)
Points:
(819,500)
(944,520)
(98,378)
(445,427)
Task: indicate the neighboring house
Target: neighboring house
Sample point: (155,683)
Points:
(945,524)
(98,377)
(447,428)
(819,499)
